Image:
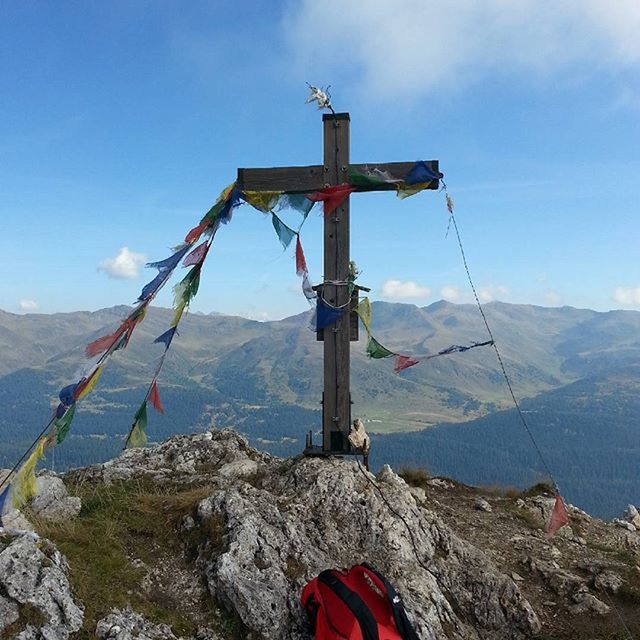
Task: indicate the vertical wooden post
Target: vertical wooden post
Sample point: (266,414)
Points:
(337,396)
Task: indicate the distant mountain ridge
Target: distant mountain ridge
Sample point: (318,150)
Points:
(265,378)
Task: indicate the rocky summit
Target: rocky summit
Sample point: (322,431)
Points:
(203,537)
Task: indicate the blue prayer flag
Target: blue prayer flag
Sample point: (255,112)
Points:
(421,172)
(170,263)
(151,288)
(67,393)
(166,337)
(327,315)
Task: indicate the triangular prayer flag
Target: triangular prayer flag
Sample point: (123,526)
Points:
(264,201)
(178,315)
(63,423)
(404,191)
(376,350)
(166,337)
(137,437)
(187,288)
(327,315)
(24,484)
(86,386)
(421,172)
(297,201)
(332,197)
(154,398)
(558,516)
(403,362)
(212,217)
(301,263)
(152,287)
(196,232)
(67,394)
(234,200)
(364,313)
(285,234)
(197,255)
(105,343)
(365,182)
(170,263)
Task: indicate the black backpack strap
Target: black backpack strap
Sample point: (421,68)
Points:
(368,625)
(404,626)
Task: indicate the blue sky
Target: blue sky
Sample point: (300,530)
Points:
(121,122)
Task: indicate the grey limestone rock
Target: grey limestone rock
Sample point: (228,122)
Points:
(34,574)
(306,515)
(482,505)
(52,501)
(183,459)
(123,624)
(623,524)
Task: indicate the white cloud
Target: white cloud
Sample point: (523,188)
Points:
(126,265)
(28,305)
(552,299)
(414,47)
(450,293)
(627,296)
(397,290)
(487,294)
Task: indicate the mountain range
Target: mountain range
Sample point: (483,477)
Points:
(575,370)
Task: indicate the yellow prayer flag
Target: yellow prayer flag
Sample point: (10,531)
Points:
(406,190)
(90,384)
(24,484)
(226,192)
(364,312)
(137,437)
(264,201)
(178,314)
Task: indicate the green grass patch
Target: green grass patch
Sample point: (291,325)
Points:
(117,524)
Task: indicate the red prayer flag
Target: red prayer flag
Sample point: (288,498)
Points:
(196,232)
(332,197)
(197,255)
(154,398)
(558,517)
(105,342)
(301,263)
(403,362)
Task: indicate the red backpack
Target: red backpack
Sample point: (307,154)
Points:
(359,604)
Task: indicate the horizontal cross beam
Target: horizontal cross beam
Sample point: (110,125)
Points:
(310,179)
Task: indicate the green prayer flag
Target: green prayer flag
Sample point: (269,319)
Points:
(285,234)
(63,423)
(364,182)
(187,288)
(213,214)
(137,436)
(141,416)
(376,350)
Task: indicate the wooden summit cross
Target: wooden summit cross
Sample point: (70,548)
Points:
(336,399)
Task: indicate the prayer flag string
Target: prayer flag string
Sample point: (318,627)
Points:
(420,176)
(377,351)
